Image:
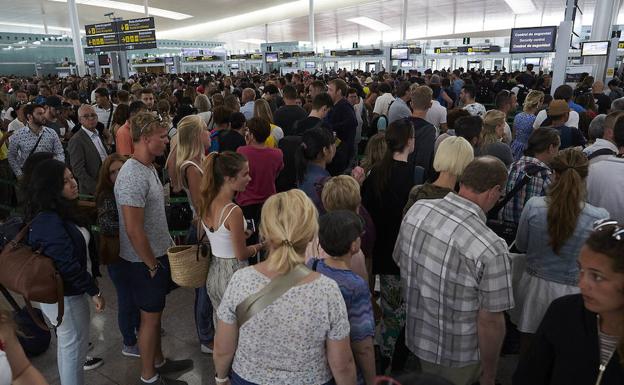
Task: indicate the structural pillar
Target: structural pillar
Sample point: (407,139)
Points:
(311,26)
(605,14)
(77,43)
(403,21)
(146,7)
(562,47)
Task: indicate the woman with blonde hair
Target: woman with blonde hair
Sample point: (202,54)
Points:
(551,231)
(192,140)
(523,122)
(303,336)
(262,110)
(224,176)
(15,369)
(492,135)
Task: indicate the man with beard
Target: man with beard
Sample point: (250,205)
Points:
(35,137)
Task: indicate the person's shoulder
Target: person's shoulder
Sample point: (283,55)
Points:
(566,306)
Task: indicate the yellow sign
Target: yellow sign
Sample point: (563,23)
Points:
(470,49)
(610,72)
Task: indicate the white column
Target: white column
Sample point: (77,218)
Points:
(605,14)
(403,21)
(146,7)
(311,26)
(77,43)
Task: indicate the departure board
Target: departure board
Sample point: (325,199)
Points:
(121,35)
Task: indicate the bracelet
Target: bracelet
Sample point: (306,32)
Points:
(153,269)
(221,380)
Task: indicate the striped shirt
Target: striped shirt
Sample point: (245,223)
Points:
(452,265)
(540,180)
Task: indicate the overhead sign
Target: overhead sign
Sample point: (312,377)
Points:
(202,58)
(136,24)
(121,35)
(102,28)
(445,50)
(621,45)
(357,52)
(530,40)
(138,40)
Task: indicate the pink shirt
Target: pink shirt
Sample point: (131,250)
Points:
(264,166)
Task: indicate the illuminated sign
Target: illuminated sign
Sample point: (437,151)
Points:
(121,35)
(102,28)
(136,24)
(138,40)
(103,40)
(529,40)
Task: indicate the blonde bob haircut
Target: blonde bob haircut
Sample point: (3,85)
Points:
(453,155)
(533,100)
(289,221)
(189,143)
(341,192)
(144,124)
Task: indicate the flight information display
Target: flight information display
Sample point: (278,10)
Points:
(121,35)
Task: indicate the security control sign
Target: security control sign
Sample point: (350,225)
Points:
(136,24)
(533,40)
(102,28)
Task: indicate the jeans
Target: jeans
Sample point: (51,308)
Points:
(72,337)
(128,314)
(203,306)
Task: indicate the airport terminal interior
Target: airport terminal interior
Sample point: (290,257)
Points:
(312,192)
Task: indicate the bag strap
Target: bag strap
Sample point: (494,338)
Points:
(9,298)
(257,302)
(37,142)
(110,116)
(526,178)
(602,151)
(61,306)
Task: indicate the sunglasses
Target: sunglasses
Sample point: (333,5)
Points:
(618,231)
(156,119)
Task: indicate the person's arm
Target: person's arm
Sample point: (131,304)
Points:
(364,354)
(170,166)
(235,224)
(522,234)
(78,165)
(341,361)
(59,153)
(13,162)
(447,99)
(5,137)
(134,219)
(491,331)
(193,178)
(23,371)
(225,343)
(123,143)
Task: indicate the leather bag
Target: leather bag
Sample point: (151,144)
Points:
(32,275)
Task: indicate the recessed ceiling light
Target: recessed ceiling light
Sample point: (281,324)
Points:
(252,41)
(370,23)
(521,6)
(131,8)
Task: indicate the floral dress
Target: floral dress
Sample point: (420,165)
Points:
(523,124)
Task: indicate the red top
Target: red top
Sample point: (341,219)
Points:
(264,166)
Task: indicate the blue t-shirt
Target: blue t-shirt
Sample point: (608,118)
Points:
(357,297)
(312,183)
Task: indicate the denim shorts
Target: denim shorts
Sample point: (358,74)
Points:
(150,293)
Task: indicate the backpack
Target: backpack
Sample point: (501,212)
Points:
(379,123)
(522,94)
(602,151)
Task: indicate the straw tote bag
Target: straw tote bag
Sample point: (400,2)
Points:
(189,263)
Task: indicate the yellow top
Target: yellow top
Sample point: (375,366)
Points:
(4,150)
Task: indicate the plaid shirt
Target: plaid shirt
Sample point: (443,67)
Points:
(452,266)
(535,188)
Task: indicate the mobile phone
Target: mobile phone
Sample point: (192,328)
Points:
(251,225)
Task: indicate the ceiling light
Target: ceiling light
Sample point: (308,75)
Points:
(521,6)
(110,4)
(371,23)
(252,41)
(38,26)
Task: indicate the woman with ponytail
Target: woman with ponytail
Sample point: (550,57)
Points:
(224,175)
(302,337)
(552,231)
(384,195)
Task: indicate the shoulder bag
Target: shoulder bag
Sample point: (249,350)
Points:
(31,274)
(189,263)
(257,302)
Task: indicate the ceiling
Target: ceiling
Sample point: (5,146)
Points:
(286,20)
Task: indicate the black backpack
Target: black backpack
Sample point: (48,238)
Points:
(522,94)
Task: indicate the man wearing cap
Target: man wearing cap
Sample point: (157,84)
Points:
(53,107)
(559,113)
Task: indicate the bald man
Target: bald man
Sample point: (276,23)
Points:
(602,101)
(87,150)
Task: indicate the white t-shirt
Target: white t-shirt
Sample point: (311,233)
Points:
(383,103)
(573,120)
(15,125)
(103,114)
(436,115)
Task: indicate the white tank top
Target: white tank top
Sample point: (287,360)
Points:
(221,239)
(185,187)
(5,370)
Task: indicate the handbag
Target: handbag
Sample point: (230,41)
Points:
(257,302)
(189,263)
(32,275)
(109,249)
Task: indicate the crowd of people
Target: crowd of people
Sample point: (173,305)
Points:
(405,224)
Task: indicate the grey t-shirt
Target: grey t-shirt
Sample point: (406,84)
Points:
(138,185)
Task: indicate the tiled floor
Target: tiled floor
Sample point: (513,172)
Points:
(180,341)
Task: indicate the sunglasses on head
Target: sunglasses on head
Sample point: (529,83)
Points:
(604,224)
(156,119)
